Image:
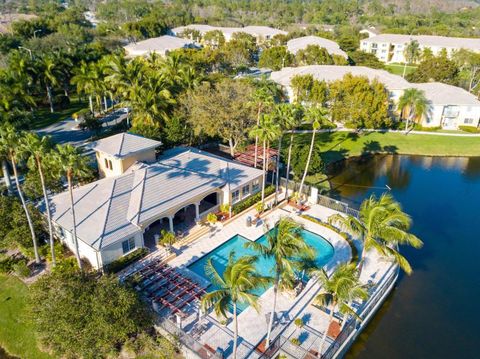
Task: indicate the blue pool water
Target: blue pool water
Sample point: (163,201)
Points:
(219,256)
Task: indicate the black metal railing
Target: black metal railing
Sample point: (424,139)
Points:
(285,345)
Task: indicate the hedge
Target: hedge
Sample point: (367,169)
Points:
(119,264)
(250,201)
(469,129)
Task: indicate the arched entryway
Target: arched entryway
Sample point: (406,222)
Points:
(209,203)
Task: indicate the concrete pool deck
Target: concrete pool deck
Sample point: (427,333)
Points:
(253,325)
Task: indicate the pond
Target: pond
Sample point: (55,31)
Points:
(433,313)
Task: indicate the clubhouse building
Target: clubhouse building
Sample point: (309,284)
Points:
(140,193)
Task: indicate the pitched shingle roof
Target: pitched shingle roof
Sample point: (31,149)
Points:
(428,41)
(301,43)
(124,144)
(437,93)
(159,45)
(330,73)
(252,30)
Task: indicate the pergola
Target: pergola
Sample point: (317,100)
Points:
(247,157)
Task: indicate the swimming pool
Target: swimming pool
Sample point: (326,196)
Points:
(219,256)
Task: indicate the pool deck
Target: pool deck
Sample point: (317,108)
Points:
(253,325)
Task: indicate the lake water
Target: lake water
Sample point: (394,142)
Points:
(434,313)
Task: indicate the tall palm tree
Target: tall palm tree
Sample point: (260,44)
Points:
(263,98)
(383,226)
(289,118)
(86,82)
(37,149)
(286,246)
(338,290)
(411,53)
(316,116)
(69,162)
(9,143)
(414,102)
(267,130)
(235,285)
(49,75)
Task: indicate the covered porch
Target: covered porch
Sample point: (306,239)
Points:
(183,220)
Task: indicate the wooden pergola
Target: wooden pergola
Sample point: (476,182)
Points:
(247,157)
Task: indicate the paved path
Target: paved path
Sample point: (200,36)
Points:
(67,131)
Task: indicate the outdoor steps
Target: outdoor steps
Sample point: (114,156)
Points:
(192,237)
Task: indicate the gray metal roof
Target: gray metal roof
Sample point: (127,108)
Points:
(114,208)
(124,144)
(301,43)
(192,159)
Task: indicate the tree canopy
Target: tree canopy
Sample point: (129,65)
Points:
(78,315)
(359,103)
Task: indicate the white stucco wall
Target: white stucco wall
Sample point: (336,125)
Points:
(115,251)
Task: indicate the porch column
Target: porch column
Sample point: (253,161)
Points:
(197,212)
(170,222)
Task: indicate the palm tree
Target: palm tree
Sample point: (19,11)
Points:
(414,101)
(338,290)
(263,98)
(86,82)
(70,163)
(235,285)
(286,246)
(49,74)
(267,131)
(9,143)
(36,149)
(316,116)
(289,119)
(412,53)
(383,226)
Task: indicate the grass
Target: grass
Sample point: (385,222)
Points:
(339,145)
(17,335)
(397,69)
(43,117)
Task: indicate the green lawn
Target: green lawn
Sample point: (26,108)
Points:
(43,117)
(16,333)
(339,145)
(397,69)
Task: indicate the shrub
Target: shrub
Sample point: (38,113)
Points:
(66,265)
(8,263)
(119,264)
(295,341)
(212,218)
(167,238)
(250,201)
(225,208)
(470,129)
(21,269)
(299,322)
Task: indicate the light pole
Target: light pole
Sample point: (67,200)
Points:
(29,51)
(34,33)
